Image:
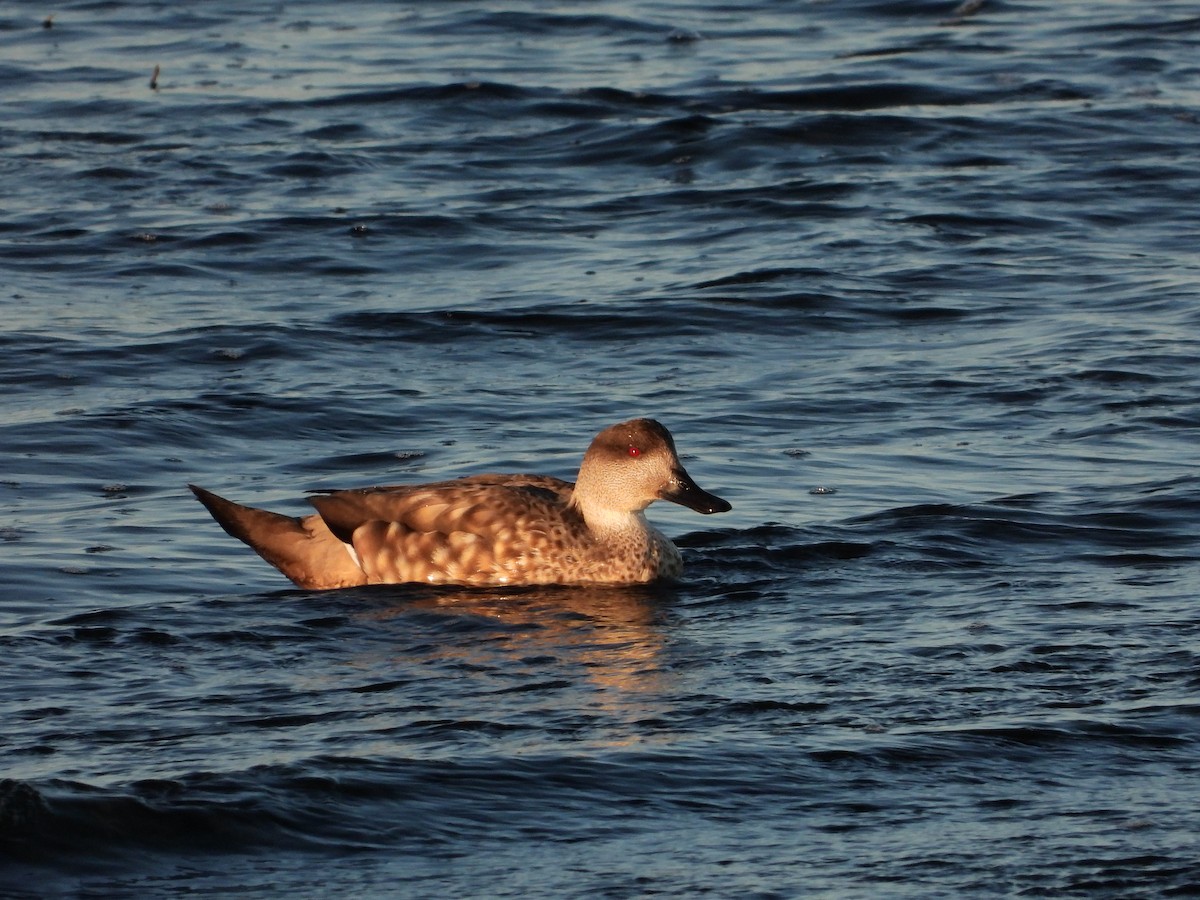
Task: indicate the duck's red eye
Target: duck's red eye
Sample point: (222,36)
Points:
(634,451)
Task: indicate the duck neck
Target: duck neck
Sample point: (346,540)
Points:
(604,511)
(609,521)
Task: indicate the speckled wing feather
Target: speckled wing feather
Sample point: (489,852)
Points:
(485,529)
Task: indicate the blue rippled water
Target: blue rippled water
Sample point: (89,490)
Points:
(915,287)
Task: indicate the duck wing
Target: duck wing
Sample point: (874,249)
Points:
(484,529)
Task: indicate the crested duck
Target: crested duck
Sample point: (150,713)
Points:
(488,529)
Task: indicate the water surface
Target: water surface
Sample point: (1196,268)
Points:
(914,290)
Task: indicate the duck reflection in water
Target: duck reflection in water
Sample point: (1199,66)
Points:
(603,647)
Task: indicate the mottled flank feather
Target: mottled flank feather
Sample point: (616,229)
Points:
(488,529)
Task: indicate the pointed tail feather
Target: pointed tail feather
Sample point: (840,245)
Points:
(302,549)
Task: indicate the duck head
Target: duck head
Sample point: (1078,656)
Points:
(630,465)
